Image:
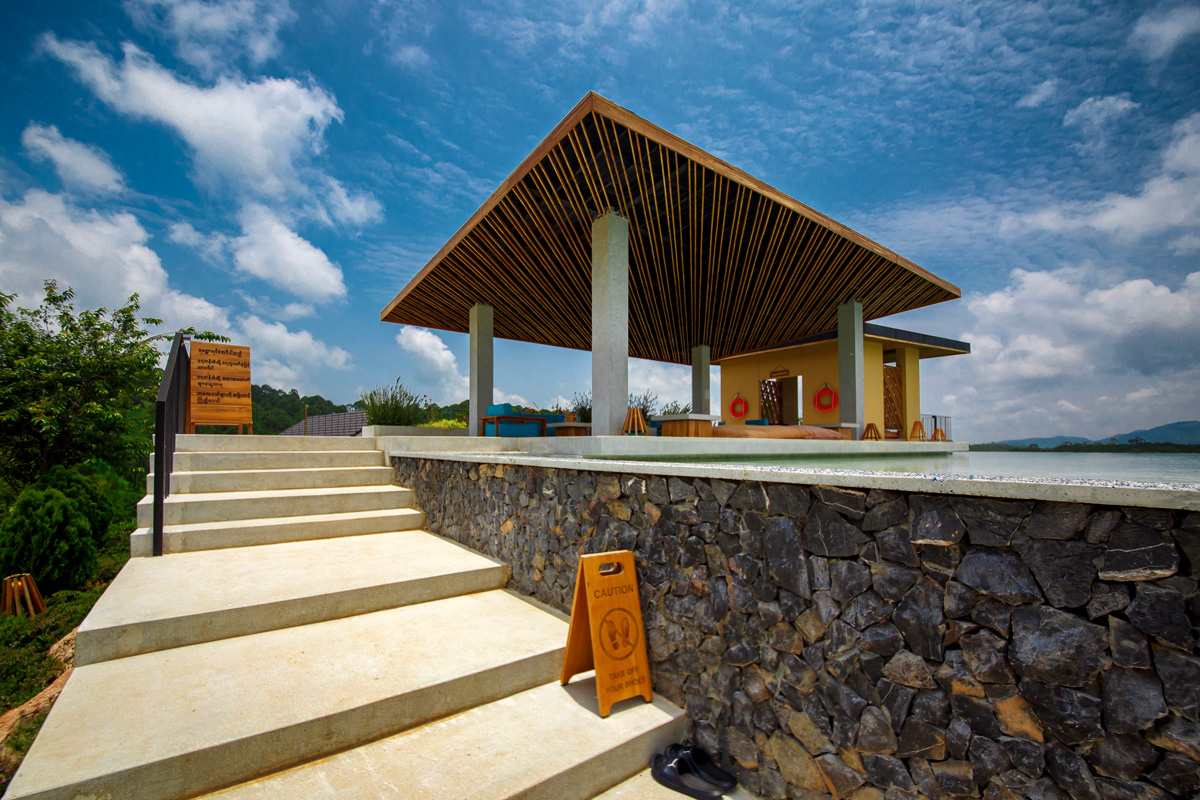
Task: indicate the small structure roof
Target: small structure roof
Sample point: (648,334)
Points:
(716,256)
(927,346)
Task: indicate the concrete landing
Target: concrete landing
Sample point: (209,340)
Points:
(643,787)
(179,722)
(547,743)
(157,603)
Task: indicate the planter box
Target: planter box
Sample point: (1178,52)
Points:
(410,430)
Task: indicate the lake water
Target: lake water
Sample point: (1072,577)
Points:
(1135,467)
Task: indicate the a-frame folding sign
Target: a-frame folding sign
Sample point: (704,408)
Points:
(606,632)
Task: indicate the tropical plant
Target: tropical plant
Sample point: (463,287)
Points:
(581,404)
(86,495)
(674,407)
(647,403)
(76,386)
(393,405)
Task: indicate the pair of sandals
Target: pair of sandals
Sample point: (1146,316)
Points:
(691,771)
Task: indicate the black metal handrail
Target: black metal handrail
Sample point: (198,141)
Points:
(170,415)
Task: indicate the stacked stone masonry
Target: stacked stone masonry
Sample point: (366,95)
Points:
(877,644)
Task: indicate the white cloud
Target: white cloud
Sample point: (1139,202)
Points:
(352,208)
(436,369)
(1039,94)
(1157,33)
(281,351)
(210,34)
(672,383)
(1050,345)
(270,250)
(412,56)
(102,255)
(253,136)
(1168,201)
(1096,113)
(80,166)
(263,306)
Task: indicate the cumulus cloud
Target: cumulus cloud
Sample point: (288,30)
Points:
(1168,201)
(270,250)
(1158,32)
(436,369)
(1061,351)
(1039,94)
(252,136)
(300,350)
(102,255)
(672,383)
(81,167)
(212,34)
(353,208)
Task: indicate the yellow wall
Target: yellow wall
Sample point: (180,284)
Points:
(816,365)
(873,385)
(909,362)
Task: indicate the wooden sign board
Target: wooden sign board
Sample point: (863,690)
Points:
(606,632)
(219,386)
(780,372)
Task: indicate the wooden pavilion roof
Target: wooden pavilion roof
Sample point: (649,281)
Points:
(716,256)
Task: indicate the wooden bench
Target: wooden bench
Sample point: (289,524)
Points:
(483,423)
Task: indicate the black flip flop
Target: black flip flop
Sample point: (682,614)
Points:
(676,774)
(702,764)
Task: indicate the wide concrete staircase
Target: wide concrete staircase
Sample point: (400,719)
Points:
(304,638)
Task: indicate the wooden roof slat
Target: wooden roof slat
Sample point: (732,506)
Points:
(717,257)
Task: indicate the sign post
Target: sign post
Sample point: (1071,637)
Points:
(219,389)
(606,632)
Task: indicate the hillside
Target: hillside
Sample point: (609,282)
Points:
(1172,433)
(276,410)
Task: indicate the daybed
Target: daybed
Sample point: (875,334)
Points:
(775,432)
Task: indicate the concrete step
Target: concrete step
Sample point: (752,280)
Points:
(188,442)
(157,603)
(643,787)
(180,722)
(201,461)
(246,480)
(183,509)
(274,530)
(547,743)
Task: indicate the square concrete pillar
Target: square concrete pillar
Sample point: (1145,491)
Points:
(908,359)
(480,375)
(610,324)
(851,374)
(701,379)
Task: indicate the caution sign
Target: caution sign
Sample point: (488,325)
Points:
(606,632)
(219,386)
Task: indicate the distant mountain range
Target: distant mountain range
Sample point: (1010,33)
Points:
(1175,433)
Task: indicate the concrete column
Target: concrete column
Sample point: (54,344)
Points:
(480,393)
(851,379)
(701,379)
(908,359)
(610,323)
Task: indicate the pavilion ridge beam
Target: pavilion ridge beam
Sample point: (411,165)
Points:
(610,324)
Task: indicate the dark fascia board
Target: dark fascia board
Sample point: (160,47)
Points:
(954,346)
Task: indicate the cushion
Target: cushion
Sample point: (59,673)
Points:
(499,410)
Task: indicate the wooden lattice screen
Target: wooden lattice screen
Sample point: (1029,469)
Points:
(893,400)
(768,401)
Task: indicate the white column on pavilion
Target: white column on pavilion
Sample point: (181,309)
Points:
(480,378)
(701,379)
(610,323)
(851,376)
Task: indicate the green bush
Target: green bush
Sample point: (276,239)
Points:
(581,404)
(121,494)
(48,536)
(393,405)
(89,499)
(445,423)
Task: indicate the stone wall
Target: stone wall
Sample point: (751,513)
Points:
(873,643)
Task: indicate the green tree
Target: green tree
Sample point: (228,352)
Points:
(48,536)
(75,386)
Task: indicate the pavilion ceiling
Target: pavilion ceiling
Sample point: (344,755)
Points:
(716,257)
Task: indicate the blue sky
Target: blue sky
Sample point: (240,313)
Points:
(277,171)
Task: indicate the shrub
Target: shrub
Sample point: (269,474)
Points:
(87,496)
(393,405)
(581,404)
(48,536)
(673,408)
(648,403)
(445,423)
